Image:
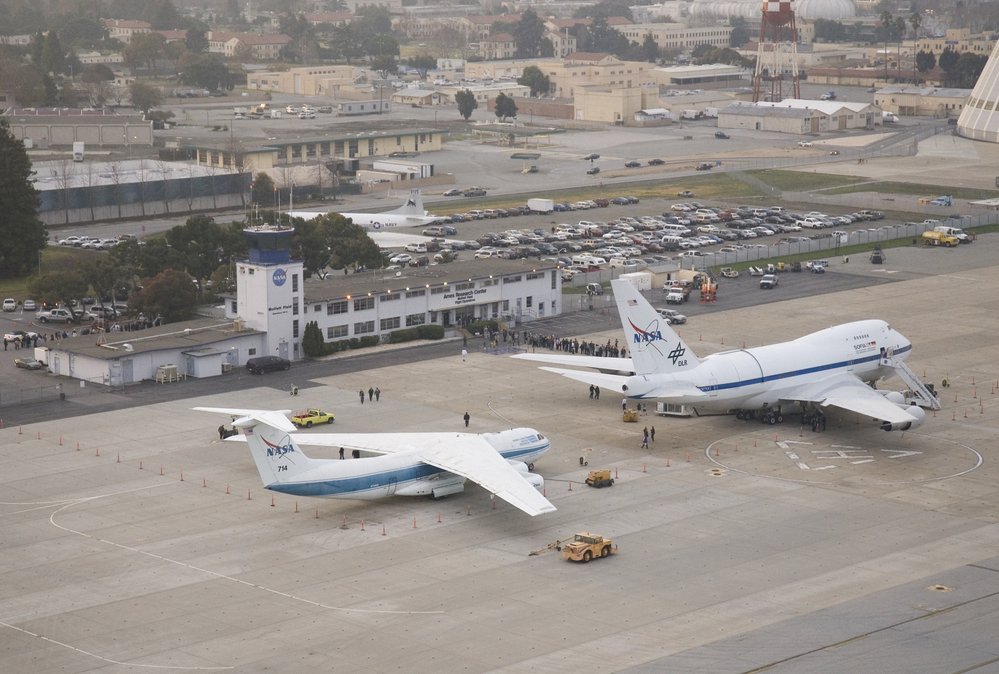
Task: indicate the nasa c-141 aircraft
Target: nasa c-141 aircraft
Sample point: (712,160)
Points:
(410,464)
(410,214)
(830,367)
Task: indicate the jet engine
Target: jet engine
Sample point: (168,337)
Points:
(915,411)
(536,480)
(894,396)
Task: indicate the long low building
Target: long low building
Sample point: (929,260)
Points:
(800,116)
(274,302)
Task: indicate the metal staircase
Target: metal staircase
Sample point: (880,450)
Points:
(922,395)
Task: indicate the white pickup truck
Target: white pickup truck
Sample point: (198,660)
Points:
(55,316)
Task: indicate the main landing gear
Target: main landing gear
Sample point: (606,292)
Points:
(767,416)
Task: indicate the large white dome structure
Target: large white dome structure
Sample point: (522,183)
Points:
(808,10)
(979,119)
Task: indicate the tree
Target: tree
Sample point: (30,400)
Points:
(22,234)
(29,85)
(948,63)
(599,37)
(164,16)
(926,61)
(740,32)
(58,286)
(145,49)
(207,71)
(170,294)
(422,63)
(96,72)
(312,245)
(348,243)
(532,77)
(201,244)
(313,344)
(262,189)
(505,107)
(466,103)
(144,96)
(650,48)
(53,55)
(968,69)
(196,42)
(529,36)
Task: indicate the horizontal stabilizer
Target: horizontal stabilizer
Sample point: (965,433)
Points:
(602,363)
(275,418)
(610,382)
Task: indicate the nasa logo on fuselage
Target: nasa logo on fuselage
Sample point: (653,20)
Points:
(279,277)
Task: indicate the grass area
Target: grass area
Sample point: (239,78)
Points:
(719,186)
(919,190)
(830,183)
(52,258)
(800,181)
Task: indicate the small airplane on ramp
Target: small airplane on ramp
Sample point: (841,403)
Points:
(408,464)
(410,214)
(828,368)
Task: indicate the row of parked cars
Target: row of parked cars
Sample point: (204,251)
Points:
(558,207)
(92,243)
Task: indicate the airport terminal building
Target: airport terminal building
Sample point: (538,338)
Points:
(274,302)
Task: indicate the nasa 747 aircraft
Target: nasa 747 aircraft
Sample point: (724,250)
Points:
(830,367)
(410,464)
(410,214)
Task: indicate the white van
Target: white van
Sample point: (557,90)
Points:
(675,230)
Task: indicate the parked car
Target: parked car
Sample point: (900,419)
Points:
(9,304)
(29,305)
(672,316)
(401,258)
(474,192)
(262,364)
(594,289)
(632,164)
(704,166)
(722,135)
(804,143)
(656,162)
(592,156)
(28,363)
(453,192)
(593,170)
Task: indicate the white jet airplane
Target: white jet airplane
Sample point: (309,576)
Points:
(830,367)
(410,214)
(410,464)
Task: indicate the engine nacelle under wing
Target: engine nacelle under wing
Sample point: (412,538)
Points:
(536,480)
(915,411)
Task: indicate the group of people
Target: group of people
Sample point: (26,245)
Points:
(576,347)
(594,392)
(373,394)
(648,435)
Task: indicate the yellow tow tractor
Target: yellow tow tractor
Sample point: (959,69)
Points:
(585,546)
(600,478)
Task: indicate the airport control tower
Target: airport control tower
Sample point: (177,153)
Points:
(776,75)
(269,288)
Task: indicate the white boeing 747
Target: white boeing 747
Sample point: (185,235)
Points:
(828,368)
(410,214)
(409,464)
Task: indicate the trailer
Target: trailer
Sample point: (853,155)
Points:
(541,205)
(78,151)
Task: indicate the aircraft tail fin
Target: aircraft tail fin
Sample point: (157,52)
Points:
(655,348)
(412,206)
(279,458)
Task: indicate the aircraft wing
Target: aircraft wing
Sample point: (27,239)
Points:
(601,363)
(850,393)
(465,454)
